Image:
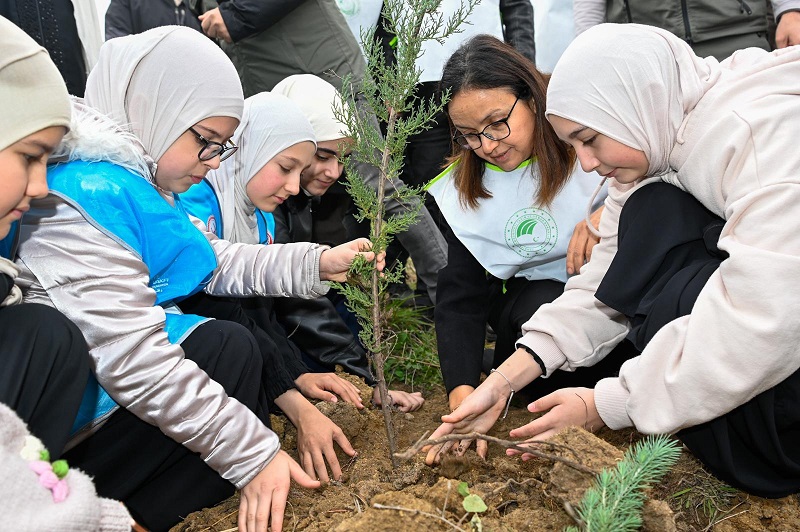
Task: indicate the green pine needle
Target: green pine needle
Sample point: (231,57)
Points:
(614,503)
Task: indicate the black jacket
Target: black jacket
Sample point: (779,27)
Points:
(314,325)
(518,31)
(126,17)
(461,314)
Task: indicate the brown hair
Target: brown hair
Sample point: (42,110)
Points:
(485,62)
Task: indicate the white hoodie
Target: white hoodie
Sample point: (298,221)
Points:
(735,151)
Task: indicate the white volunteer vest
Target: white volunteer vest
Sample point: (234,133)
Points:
(508,234)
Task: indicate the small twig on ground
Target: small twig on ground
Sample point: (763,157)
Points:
(294,517)
(573,514)
(210,527)
(418,512)
(518,446)
(447,496)
(512,481)
(463,517)
(715,522)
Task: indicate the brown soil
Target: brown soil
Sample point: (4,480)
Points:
(521,496)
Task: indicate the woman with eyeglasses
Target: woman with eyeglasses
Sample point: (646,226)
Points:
(176,403)
(512,195)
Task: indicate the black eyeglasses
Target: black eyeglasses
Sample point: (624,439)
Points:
(494,131)
(212,149)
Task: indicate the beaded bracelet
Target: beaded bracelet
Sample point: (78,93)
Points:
(508,403)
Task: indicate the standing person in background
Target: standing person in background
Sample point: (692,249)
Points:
(68,29)
(711,27)
(512,196)
(269,41)
(126,17)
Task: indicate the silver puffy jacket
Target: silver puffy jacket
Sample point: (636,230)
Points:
(103,288)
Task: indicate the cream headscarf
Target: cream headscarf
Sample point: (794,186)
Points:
(271,123)
(317,99)
(33,95)
(159,83)
(634,84)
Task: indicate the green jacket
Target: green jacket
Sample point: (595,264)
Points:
(694,21)
(312,38)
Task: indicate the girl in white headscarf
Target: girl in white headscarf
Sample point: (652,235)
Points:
(113,249)
(276,143)
(320,332)
(45,362)
(698,261)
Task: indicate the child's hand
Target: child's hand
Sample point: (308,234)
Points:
(326,386)
(264,498)
(568,407)
(334,262)
(404,401)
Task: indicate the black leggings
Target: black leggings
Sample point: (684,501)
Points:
(44,370)
(158,479)
(658,272)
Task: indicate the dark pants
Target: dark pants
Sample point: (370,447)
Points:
(158,479)
(426,152)
(509,310)
(44,370)
(667,252)
(280,359)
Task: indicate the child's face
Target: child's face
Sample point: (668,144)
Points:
(472,110)
(23,173)
(180,167)
(280,177)
(598,152)
(326,166)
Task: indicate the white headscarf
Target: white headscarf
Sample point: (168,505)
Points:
(271,123)
(317,99)
(161,82)
(632,83)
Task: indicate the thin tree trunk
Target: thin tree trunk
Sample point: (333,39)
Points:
(378,356)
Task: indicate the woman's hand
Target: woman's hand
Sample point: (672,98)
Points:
(326,386)
(579,251)
(404,401)
(568,407)
(316,435)
(334,262)
(264,497)
(477,413)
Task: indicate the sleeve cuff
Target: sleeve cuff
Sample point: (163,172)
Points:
(547,350)
(114,517)
(611,399)
(318,287)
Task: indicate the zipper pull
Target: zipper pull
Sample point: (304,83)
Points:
(744,8)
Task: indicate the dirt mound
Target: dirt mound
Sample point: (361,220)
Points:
(521,496)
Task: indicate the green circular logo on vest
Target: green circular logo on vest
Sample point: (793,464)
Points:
(531,232)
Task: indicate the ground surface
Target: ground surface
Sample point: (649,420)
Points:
(527,496)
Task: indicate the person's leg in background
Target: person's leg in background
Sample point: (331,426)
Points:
(423,240)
